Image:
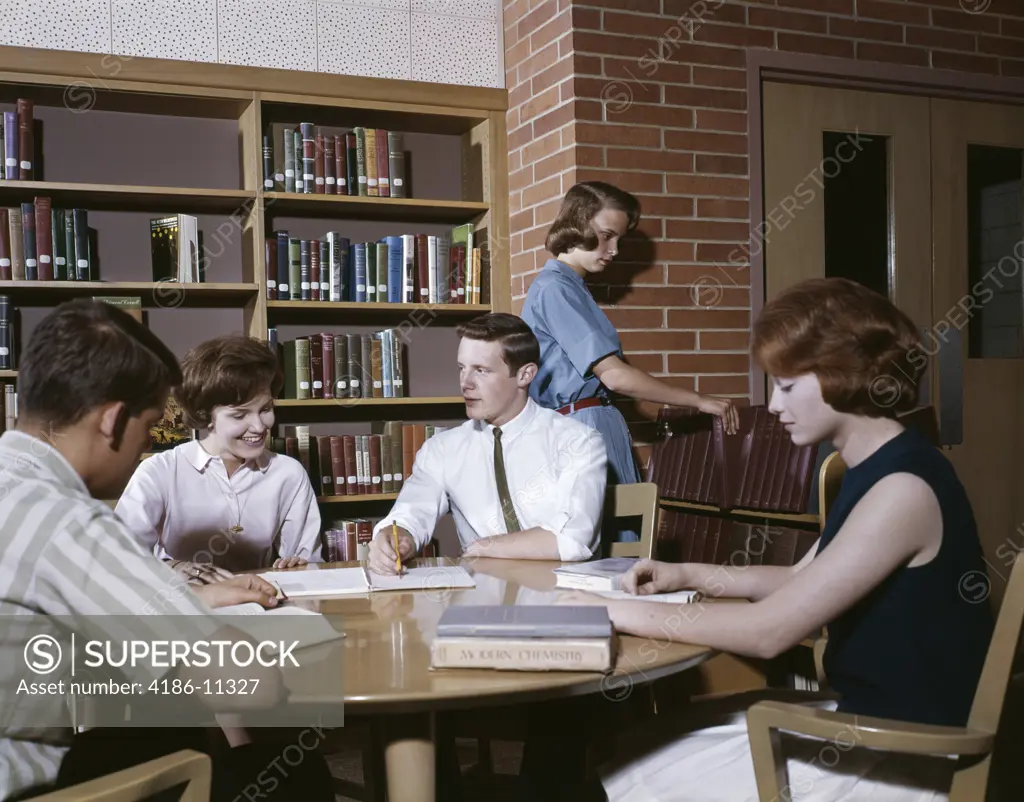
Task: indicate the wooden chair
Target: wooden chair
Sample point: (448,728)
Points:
(624,501)
(973,744)
(143,781)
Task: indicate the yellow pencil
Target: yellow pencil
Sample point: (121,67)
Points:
(394,538)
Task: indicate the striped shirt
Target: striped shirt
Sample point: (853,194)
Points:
(64,553)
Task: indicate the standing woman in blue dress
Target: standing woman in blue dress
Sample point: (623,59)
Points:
(581,356)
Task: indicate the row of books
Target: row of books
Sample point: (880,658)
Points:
(405,268)
(9,408)
(40,243)
(348,539)
(17,132)
(692,537)
(343,366)
(357,464)
(757,468)
(175,245)
(8,334)
(364,161)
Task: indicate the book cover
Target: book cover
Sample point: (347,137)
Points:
(171,430)
(525,621)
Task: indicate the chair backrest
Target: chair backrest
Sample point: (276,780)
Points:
(145,780)
(639,498)
(830,478)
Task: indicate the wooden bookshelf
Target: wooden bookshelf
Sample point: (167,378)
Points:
(761,515)
(238,104)
(8,374)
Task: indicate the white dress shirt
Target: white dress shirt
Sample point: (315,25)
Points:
(556,471)
(181,504)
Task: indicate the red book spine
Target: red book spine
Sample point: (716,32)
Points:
(340,174)
(5,246)
(330,182)
(328,349)
(44,239)
(318,166)
(383,182)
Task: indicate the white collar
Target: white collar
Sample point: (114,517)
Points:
(198,457)
(517,424)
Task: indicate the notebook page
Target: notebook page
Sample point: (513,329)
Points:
(438,578)
(319,582)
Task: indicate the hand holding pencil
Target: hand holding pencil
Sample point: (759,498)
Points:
(392,547)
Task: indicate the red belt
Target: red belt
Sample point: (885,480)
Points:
(593,401)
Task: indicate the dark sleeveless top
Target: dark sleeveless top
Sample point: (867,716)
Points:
(913,648)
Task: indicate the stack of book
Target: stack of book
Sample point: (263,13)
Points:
(17,132)
(524,638)
(40,243)
(356,464)
(312,160)
(399,268)
(343,366)
(347,539)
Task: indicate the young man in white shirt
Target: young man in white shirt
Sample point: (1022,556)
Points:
(92,383)
(521,481)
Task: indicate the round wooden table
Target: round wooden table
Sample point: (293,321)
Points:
(386,662)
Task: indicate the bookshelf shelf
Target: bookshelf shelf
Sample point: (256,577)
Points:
(368,402)
(356,499)
(416,314)
(154,294)
(413,210)
(8,374)
(780,517)
(128,198)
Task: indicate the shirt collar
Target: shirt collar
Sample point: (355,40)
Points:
(517,424)
(563,269)
(47,458)
(198,457)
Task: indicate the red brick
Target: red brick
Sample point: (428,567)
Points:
(513,12)
(998,46)
(892,12)
(661,116)
(606,44)
(685,9)
(818,45)
(532,21)
(590,157)
(824,6)
(623,319)
(521,221)
(721,165)
(703,319)
(569,178)
(625,273)
(702,141)
(734,35)
(962,21)
(553,119)
(658,341)
(859,29)
(708,363)
(947,40)
(591,110)
(538,104)
(654,296)
(629,181)
(718,253)
(557,163)
(551,32)
(650,363)
(964,62)
(717,207)
(586,65)
(721,121)
(893,54)
(724,340)
(618,135)
(693,274)
(689,53)
(541,191)
(565,46)
(787,20)
(647,80)
(617,94)
(643,6)
(515,161)
(629,159)
(652,227)
(544,214)
(538,62)
(516,53)
(521,178)
(582,19)
(1011,27)
(706,230)
(540,148)
(549,77)
(568,134)
(642,25)
(714,186)
(707,98)
(521,263)
(665,206)
(683,382)
(665,251)
(1012,69)
(724,385)
(727,79)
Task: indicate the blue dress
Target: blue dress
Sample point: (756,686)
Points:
(574,335)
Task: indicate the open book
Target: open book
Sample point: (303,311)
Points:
(358,581)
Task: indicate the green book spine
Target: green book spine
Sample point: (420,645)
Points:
(291,373)
(295,268)
(302,367)
(69,245)
(371,273)
(361,159)
(382,272)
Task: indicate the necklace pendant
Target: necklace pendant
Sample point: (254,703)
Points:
(236,529)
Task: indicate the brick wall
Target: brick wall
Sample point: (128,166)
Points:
(651,95)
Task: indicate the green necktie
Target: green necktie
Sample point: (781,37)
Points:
(507,510)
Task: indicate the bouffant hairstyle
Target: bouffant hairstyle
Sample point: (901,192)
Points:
(226,371)
(519,345)
(865,352)
(572,229)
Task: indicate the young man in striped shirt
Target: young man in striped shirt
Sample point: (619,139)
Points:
(93,381)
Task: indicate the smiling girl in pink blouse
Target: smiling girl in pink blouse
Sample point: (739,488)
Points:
(225,501)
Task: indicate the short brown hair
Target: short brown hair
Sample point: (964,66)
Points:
(226,371)
(519,345)
(87,353)
(572,229)
(858,343)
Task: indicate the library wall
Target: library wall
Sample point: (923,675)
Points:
(456,41)
(651,95)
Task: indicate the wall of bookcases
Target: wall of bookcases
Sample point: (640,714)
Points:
(171,137)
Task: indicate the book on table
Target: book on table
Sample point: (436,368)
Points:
(604,577)
(524,638)
(358,581)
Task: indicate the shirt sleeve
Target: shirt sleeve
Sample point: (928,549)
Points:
(117,591)
(580,489)
(300,530)
(576,323)
(143,504)
(423,500)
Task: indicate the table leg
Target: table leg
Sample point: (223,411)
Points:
(409,757)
